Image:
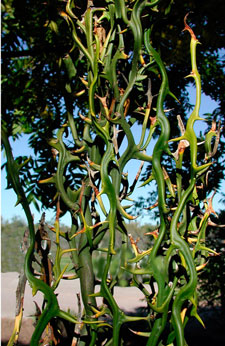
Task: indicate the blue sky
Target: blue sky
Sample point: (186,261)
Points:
(8,197)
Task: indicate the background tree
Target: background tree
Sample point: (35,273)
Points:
(11,234)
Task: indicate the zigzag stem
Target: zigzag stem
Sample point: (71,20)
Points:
(161,146)
(187,291)
(52,309)
(189,134)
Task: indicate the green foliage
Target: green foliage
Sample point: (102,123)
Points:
(212,280)
(12,258)
(104,91)
(12,238)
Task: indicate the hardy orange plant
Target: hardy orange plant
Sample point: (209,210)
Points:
(114,45)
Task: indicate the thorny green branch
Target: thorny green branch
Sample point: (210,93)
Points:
(171,262)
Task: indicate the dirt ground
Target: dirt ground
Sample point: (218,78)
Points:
(129,299)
